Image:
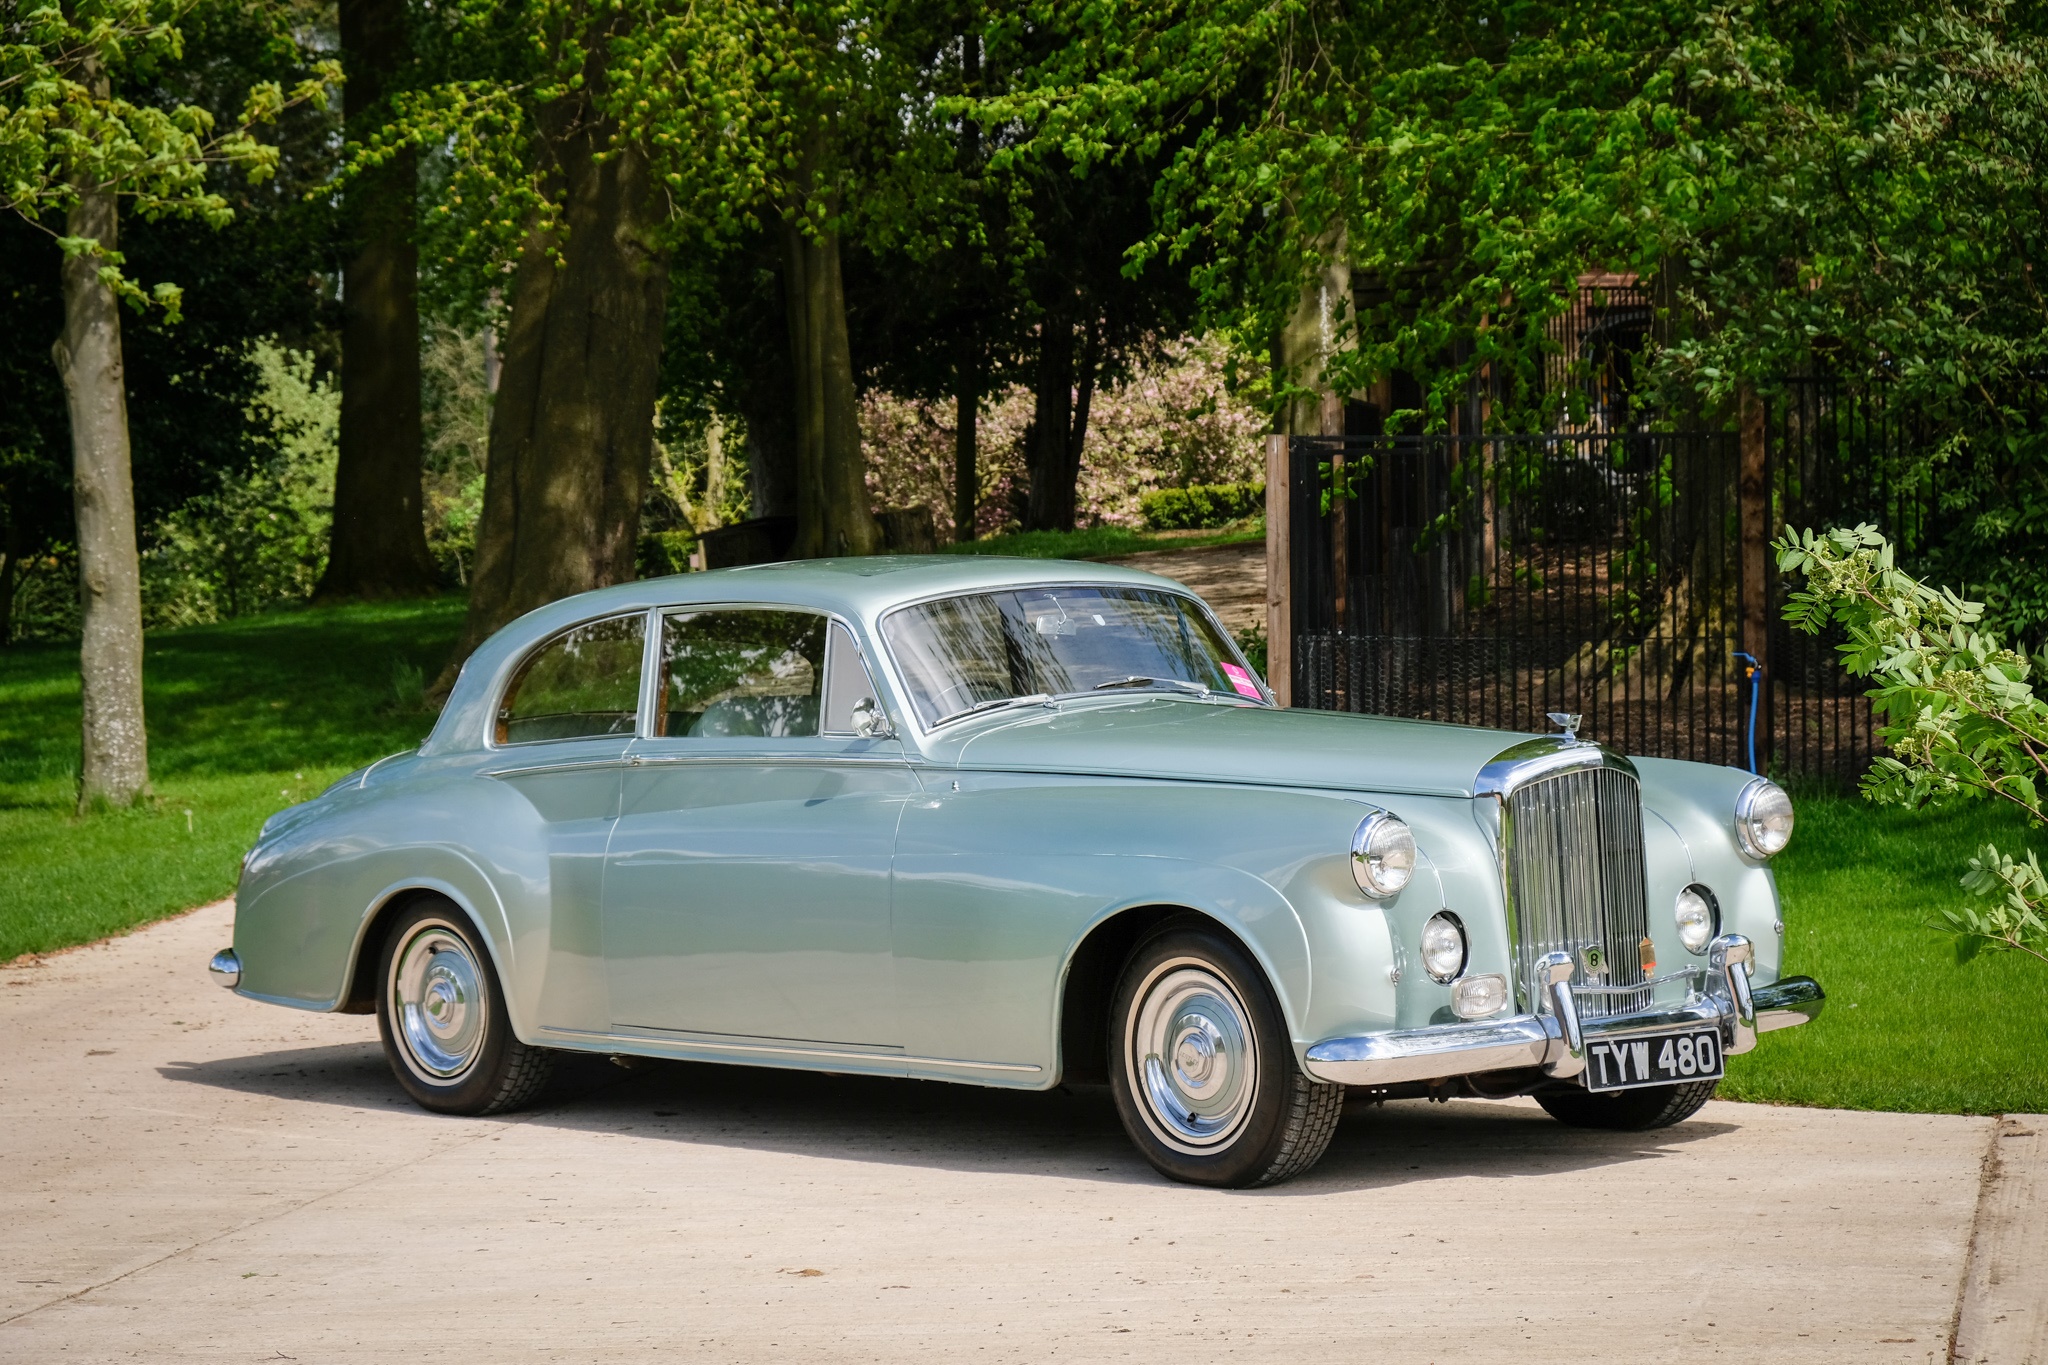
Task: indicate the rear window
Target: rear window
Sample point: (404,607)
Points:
(583,682)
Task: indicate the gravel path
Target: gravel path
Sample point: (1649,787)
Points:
(1230,578)
(195,1176)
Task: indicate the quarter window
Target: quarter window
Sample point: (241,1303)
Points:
(735,674)
(584,682)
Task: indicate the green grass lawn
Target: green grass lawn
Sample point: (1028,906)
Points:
(253,715)
(244,718)
(1905,1027)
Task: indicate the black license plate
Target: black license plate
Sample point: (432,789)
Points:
(1653,1059)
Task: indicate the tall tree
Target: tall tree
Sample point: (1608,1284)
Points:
(833,516)
(73,146)
(379,544)
(573,425)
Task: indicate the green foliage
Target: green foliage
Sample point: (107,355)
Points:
(456,426)
(1957,711)
(1857,188)
(259,538)
(67,121)
(1202,505)
(1252,642)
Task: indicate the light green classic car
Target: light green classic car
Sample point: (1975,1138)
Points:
(1014,822)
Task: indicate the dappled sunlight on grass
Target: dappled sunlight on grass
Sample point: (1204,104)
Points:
(244,718)
(1905,1026)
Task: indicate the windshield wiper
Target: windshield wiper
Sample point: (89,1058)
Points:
(1140,680)
(998,703)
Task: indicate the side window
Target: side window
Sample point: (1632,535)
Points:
(583,682)
(846,681)
(730,674)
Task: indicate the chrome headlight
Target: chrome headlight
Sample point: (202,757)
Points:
(1443,946)
(1763,818)
(1698,918)
(1382,855)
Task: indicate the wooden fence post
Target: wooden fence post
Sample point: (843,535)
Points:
(1279,573)
(1753,495)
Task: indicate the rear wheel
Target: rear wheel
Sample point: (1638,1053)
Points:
(1628,1111)
(442,1017)
(1203,1074)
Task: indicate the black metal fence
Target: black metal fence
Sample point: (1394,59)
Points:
(1490,580)
(1838,455)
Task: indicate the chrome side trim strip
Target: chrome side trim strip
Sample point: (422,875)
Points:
(568,767)
(771,760)
(698,1043)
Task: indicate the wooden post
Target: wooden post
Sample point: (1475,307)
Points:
(1753,496)
(1279,574)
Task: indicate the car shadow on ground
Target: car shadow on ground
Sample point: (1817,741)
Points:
(1071,1132)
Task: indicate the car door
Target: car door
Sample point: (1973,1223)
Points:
(746,895)
(562,734)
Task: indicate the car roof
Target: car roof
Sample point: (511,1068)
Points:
(861,589)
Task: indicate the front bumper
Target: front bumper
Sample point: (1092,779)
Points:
(1557,1041)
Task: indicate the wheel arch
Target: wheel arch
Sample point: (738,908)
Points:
(360,995)
(1088,985)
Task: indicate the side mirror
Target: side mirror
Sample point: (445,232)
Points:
(870,721)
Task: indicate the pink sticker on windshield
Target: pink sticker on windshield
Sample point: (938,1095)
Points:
(1242,681)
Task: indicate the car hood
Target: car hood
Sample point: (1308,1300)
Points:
(1202,741)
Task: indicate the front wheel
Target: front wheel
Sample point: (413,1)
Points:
(1627,1111)
(1203,1074)
(442,1017)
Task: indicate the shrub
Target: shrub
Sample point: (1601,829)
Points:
(1202,505)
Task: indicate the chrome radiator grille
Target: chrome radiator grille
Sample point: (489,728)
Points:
(1574,863)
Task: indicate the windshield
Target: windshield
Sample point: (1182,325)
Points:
(962,652)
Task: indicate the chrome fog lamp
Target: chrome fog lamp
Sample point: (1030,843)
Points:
(1382,855)
(1478,996)
(1699,919)
(1443,946)
(1763,818)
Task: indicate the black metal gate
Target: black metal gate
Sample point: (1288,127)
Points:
(1491,580)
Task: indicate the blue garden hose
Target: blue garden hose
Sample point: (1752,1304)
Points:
(1755,672)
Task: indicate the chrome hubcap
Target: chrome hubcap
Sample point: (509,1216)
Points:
(437,1002)
(1192,1062)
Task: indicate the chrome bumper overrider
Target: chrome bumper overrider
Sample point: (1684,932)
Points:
(1557,1041)
(225,968)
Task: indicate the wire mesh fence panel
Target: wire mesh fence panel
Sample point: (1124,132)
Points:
(1839,455)
(1492,580)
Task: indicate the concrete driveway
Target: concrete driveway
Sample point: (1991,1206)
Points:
(195,1176)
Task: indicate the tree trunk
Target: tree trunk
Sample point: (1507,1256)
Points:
(967,374)
(114,758)
(764,401)
(10,570)
(833,515)
(379,543)
(1309,340)
(573,425)
(1061,397)
(966,423)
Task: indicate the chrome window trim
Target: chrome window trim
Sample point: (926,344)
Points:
(650,671)
(512,674)
(916,725)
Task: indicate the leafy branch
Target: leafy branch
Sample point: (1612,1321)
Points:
(1957,710)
